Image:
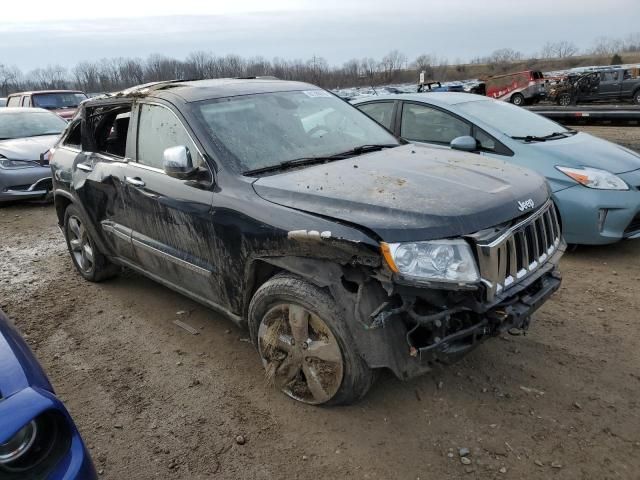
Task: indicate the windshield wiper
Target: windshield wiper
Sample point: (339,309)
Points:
(359,150)
(544,138)
(291,163)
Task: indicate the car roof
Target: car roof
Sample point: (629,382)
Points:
(442,99)
(197,90)
(35,92)
(8,110)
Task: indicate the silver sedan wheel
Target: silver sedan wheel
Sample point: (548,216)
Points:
(81,248)
(300,354)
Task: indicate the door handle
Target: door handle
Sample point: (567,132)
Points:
(84,167)
(135,181)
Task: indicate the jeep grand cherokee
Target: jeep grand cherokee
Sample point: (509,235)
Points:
(341,249)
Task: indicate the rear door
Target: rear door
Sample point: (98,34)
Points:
(170,218)
(98,175)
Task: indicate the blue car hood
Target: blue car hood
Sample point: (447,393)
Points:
(584,150)
(19,369)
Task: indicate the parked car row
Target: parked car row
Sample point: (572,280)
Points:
(345,243)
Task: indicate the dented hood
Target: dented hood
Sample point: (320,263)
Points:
(410,192)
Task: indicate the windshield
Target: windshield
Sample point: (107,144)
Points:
(53,101)
(263,130)
(30,124)
(511,120)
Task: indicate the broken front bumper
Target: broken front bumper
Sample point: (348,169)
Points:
(412,335)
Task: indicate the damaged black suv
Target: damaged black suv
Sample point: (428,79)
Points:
(342,249)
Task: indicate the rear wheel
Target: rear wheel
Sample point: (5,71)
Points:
(88,260)
(636,97)
(564,100)
(305,347)
(517,99)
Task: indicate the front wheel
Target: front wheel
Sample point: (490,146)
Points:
(305,347)
(636,97)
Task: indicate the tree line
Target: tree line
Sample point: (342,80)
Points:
(112,74)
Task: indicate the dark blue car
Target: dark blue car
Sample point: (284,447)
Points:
(38,439)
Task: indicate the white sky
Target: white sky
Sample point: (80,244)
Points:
(49,32)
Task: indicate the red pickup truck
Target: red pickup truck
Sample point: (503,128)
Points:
(63,102)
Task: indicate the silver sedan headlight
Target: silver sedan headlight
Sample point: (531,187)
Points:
(8,164)
(438,260)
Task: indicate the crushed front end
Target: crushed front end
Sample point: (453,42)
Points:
(427,322)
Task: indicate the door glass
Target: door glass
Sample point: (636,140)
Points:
(381,112)
(158,130)
(425,124)
(13,102)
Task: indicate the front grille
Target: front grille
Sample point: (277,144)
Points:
(522,250)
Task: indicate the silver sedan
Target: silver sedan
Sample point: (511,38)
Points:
(26,135)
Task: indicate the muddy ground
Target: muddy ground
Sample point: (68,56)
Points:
(154,401)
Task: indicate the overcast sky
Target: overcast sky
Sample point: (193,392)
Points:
(67,32)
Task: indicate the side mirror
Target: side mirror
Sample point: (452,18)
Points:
(177,162)
(465,144)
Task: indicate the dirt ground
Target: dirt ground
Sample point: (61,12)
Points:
(154,401)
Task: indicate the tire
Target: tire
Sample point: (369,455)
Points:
(88,260)
(517,99)
(564,100)
(636,97)
(277,314)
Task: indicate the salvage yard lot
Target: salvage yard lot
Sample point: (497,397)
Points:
(154,401)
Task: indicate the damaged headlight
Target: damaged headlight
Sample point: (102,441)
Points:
(437,260)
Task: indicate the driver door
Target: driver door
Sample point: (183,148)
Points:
(170,218)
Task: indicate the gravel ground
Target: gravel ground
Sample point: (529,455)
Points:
(154,401)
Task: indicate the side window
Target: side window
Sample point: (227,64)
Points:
(26,101)
(13,101)
(159,129)
(74,139)
(381,112)
(425,124)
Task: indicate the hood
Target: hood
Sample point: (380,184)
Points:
(66,113)
(584,150)
(28,148)
(20,369)
(410,192)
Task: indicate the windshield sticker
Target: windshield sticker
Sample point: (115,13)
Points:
(317,93)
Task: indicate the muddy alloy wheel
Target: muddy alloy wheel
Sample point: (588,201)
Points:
(300,354)
(80,245)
